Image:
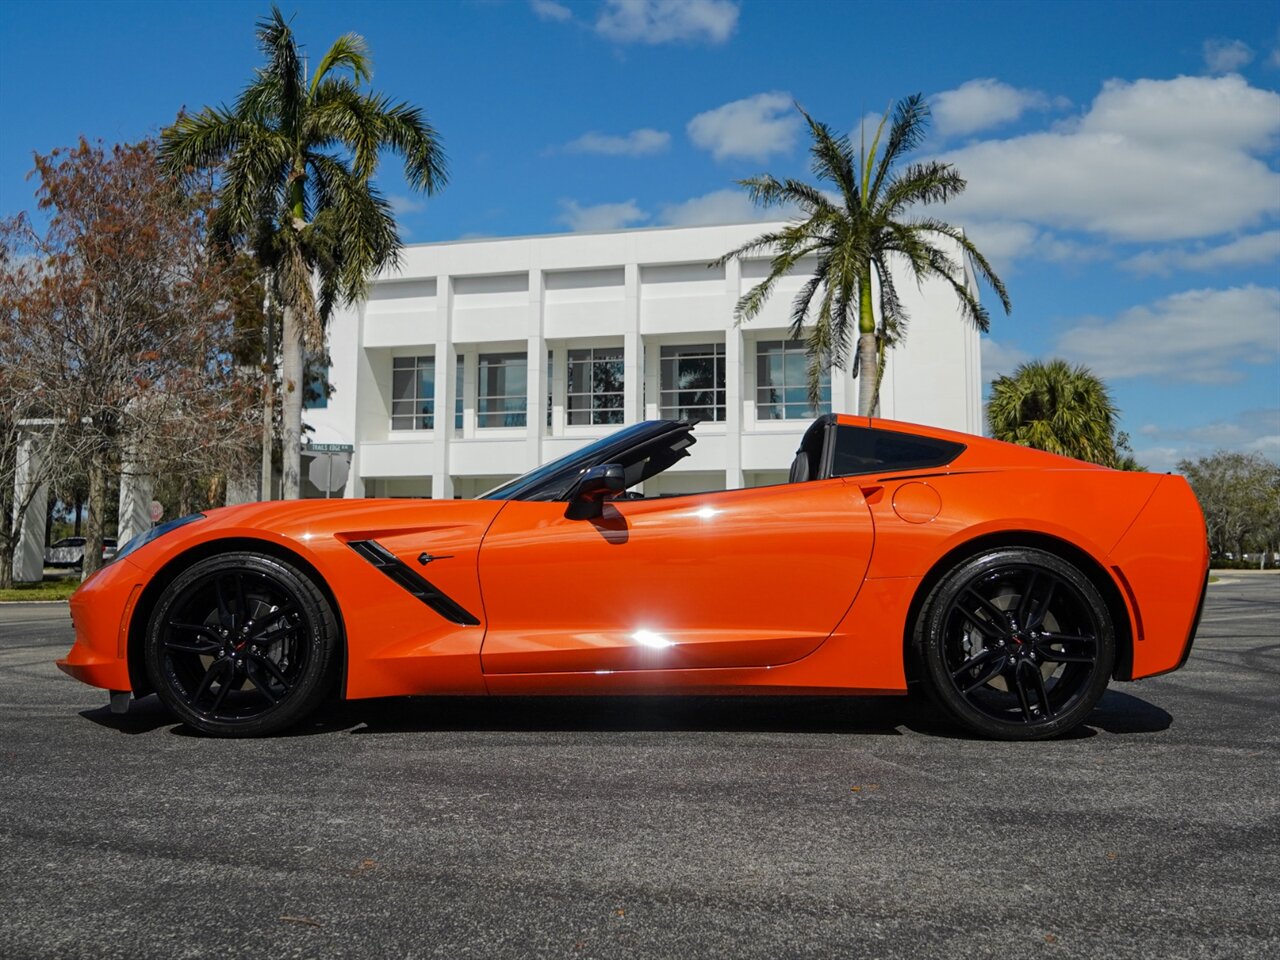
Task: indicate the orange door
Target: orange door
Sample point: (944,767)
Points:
(731,579)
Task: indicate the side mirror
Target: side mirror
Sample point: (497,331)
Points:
(594,486)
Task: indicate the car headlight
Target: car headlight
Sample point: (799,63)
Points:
(142,539)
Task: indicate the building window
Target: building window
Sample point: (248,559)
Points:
(413,393)
(504,395)
(782,382)
(595,386)
(457,395)
(693,381)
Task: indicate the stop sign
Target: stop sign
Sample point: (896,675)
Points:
(328,471)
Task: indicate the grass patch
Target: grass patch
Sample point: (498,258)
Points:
(51,588)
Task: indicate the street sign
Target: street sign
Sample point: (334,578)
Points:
(157,511)
(328,471)
(329,448)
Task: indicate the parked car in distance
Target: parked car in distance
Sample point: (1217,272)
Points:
(69,552)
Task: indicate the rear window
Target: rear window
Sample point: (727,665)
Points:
(868,450)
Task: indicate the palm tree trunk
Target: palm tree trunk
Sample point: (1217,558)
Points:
(291,406)
(868,368)
(268,405)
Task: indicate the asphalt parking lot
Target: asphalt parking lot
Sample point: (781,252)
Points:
(657,828)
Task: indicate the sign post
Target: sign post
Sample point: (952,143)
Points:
(330,465)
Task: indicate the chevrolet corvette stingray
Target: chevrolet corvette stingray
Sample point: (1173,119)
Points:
(1013,585)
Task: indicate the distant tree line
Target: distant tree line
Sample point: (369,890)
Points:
(1240,496)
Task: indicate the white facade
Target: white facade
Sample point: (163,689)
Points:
(495,311)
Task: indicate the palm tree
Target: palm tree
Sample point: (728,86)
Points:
(295,160)
(1051,405)
(855,235)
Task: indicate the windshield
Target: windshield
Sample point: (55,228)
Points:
(551,481)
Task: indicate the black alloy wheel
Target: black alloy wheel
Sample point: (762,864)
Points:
(1017,644)
(241,644)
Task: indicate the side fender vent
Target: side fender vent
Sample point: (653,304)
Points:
(414,582)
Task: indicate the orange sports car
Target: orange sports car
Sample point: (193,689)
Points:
(1011,584)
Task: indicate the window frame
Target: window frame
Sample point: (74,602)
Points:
(596,415)
(424,418)
(510,359)
(714,351)
(786,347)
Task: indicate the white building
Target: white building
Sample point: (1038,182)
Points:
(482,359)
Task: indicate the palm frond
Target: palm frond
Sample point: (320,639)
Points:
(910,124)
(931,182)
(979,261)
(404,130)
(200,141)
(341,114)
(350,52)
(283,72)
(832,160)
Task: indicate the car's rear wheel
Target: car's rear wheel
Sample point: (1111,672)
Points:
(241,644)
(1016,644)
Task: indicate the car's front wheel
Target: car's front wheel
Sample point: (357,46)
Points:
(241,644)
(1016,644)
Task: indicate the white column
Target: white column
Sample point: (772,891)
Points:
(28,558)
(653,382)
(136,487)
(733,370)
(844,389)
(470,390)
(560,389)
(446,358)
(357,368)
(633,366)
(536,371)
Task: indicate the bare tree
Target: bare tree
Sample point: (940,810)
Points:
(25,426)
(131,311)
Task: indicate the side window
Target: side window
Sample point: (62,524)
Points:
(864,450)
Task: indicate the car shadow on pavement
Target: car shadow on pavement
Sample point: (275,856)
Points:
(1120,712)
(1116,713)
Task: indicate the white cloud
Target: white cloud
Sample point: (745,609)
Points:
(1149,160)
(982,104)
(601,217)
(400,204)
(999,359)
(1202,336)
(667,21)
(1226,56)
(1250,431)
(550,10)
(1004,241)
(1244,251)
(721,206)
(750,129)
(637,143)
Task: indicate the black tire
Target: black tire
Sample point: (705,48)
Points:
(1016,644)
(241,645)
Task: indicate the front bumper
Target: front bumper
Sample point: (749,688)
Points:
(100,613)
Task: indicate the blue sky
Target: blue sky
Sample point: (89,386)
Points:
(1122,158)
